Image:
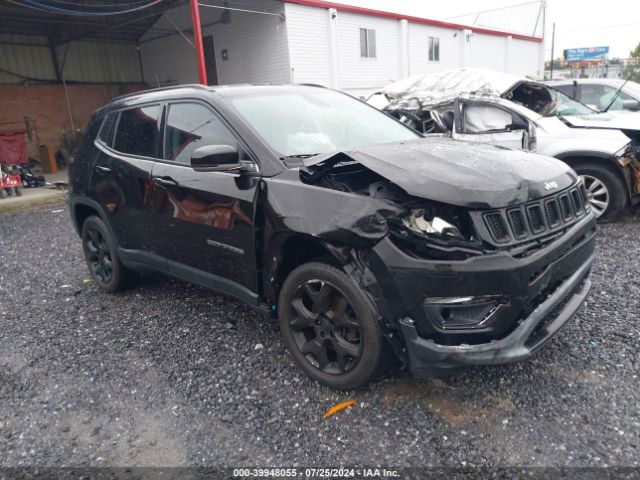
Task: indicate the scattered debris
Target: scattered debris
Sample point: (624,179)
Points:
(337,408)
(258,346)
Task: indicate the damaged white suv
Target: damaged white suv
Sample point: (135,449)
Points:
(480,105)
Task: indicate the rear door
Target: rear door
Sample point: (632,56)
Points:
(205,220)
(122,173)
(489,123)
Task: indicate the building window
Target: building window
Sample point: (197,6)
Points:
(434,49)
(367,43)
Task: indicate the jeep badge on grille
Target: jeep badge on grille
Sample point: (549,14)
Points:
(550,185)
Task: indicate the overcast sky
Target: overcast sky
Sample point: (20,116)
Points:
(579,23)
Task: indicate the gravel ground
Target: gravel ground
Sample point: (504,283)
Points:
(169,374)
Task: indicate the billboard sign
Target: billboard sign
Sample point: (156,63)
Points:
(585,54)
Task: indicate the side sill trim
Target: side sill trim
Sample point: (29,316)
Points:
(144,261)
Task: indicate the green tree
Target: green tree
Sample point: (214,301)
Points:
(632,70)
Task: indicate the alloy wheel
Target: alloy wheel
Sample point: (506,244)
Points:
(597,194)
(325,328)
(99,255)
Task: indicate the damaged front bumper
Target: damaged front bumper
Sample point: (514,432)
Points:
(536,295)
(428,357)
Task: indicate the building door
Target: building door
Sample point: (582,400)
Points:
(210,60)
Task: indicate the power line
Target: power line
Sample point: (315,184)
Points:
(101,5)
(34,5)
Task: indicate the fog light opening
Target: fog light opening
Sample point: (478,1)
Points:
(461,312)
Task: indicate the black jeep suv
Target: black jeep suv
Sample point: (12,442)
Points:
(365,239)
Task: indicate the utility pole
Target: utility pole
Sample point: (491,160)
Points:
(553,44)
(197,33)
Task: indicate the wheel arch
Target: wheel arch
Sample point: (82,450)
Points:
(290,251)
(574,159)
(83,208)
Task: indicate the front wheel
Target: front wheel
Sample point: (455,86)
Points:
(606,192)
(331,327)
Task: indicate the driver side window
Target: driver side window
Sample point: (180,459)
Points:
(490,119)
(192,125)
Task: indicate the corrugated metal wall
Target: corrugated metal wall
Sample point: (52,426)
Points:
(32,58)
(28,57)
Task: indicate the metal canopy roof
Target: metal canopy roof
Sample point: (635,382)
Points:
(62,28)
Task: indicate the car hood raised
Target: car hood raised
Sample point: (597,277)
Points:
(458,173)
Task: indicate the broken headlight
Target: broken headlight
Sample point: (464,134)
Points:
(439,232)
(418,223)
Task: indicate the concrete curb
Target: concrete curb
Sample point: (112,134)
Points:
(29,201)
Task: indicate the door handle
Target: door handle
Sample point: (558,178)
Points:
(101,169)
(164,182)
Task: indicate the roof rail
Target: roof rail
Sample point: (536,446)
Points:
(161,89)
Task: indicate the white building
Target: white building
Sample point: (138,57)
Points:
(309,41)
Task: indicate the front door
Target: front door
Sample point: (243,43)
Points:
(205,220)
(487,123)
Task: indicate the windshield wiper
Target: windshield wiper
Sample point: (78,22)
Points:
(619,91)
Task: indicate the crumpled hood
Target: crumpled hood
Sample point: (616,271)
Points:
(459,173)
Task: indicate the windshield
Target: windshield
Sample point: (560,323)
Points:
(633,89)
(308,121)
(564,105)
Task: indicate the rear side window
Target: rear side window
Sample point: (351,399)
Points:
(191,125)
(106,132)
(137,131)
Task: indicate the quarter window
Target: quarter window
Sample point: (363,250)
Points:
(367,43)
(189,126)
(106,132)
(434,49)
(137,131)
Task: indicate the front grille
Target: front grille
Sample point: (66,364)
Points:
(497,226)
(553,212)
(535,219)
(517,222)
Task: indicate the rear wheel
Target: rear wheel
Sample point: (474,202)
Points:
(102,258)
(606,192)
(331,327)
(18,191)
(3,193)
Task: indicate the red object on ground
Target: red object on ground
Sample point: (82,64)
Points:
(10,181)
(13,148)
(197,33)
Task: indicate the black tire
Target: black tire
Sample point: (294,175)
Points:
(614,191)
(324,312)
(3,193)
(10,191)
(18,191)
(102,258)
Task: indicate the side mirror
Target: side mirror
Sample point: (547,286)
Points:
(631,105)
(215,157)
